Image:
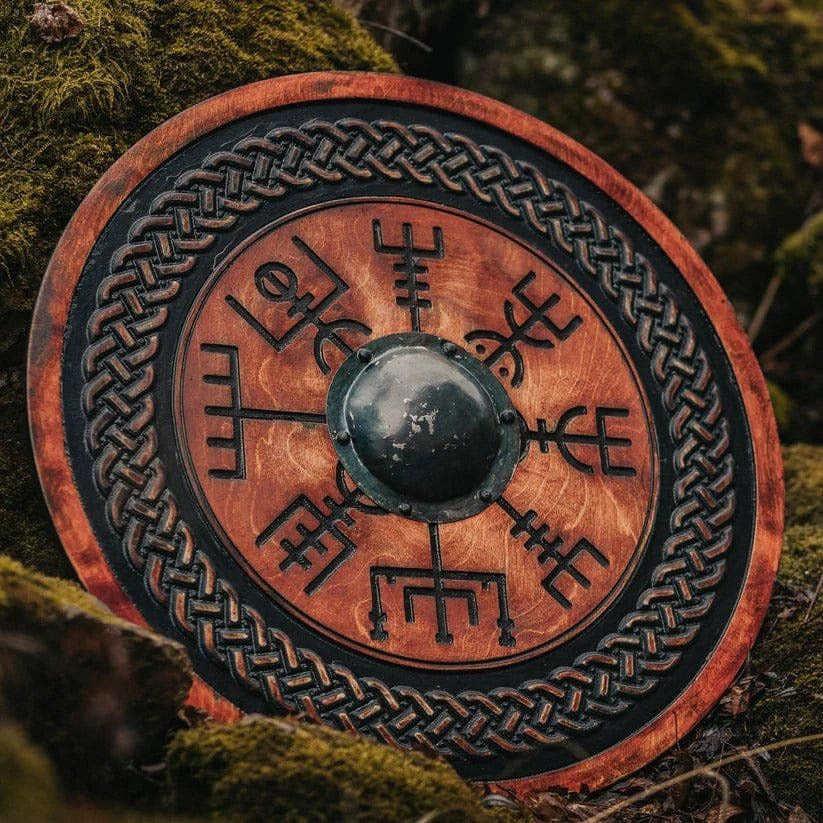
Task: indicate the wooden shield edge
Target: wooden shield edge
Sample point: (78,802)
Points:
(71,253)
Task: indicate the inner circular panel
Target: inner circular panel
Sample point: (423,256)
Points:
(261,347)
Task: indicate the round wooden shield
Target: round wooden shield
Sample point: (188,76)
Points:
(406,413)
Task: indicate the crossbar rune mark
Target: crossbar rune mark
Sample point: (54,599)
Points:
(327,527)
(538,536)
(409,266)
(238,413)
(435,586)
(538,317)
(277,283)
(302,510)
(600,438)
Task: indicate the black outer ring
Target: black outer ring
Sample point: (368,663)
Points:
(387,498)
(82,461)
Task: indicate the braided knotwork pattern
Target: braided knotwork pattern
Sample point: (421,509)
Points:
(124,337)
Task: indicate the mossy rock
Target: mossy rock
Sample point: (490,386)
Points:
(791,644)
(26,531)
(69,109)
(98,694)
(265,769)
(28,786)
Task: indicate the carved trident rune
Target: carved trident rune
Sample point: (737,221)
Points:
(409,265)
(278,283)
(327,528)
(552,551)
(601,438)
(440,593)
(538,316)
(239,414)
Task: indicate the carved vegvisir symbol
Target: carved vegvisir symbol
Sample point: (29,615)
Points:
(406,373)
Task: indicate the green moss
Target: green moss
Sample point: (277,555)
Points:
(26,531)
(791,645)
(28,787)
(266,769)
(803,469)
(86,686)
(802,558)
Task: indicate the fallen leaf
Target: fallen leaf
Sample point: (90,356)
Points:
(723,812)
(738,698)
(811,144)
(55,22)
(555,808)
(797,815)
(550,807)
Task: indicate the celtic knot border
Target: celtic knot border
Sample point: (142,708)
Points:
(123,339)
